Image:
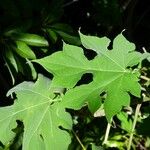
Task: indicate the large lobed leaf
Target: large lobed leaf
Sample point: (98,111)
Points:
(111,69)
(41,114)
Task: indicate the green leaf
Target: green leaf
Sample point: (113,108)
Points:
(11,73)
(69,38)
(11,58)
(62,27)
(96,44)
(11,64)
(71,61)
(94,147)
(52,35)
(41,114)
(31,39)
(65,31)
(126,122)
(24,50)
(112,73)
(33,71)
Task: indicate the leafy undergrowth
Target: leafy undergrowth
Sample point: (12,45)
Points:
(49,108)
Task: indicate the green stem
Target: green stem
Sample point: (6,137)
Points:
(107,133)
(134,124)
(79,141)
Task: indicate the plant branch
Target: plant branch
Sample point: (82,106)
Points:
(107,133)
(70,3)
(79,140)
(134,124)
(145,78)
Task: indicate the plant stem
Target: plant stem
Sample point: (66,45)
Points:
(107,133)
(79,141)
(134,124)
(145,78)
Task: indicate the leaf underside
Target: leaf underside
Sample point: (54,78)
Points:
(111,69)
(41,114)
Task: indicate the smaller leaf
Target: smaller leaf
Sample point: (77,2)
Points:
(11,63)
(52,35)
(33,71)
(66,32)
(94,147)
(10,57)
(62,27)
(24,50)
(21,64)
(11,74)
(69,38)
(31,39)
(126,123)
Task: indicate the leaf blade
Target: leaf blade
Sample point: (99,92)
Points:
(41,115)
(112,73)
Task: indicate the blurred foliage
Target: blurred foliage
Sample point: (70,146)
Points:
(27,29)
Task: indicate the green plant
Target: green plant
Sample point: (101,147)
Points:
(25,37)
(112,73)
(44,106)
